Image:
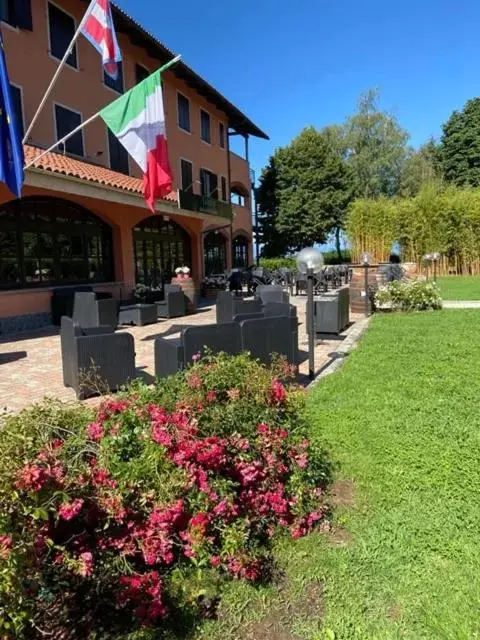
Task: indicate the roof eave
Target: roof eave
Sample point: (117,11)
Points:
(237,120)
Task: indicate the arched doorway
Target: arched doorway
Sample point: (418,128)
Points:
(240,252)
(47,241)
(160,246)
(215,252)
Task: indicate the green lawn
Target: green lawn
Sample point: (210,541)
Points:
(401,421)
(460,287)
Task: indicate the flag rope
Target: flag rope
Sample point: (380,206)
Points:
(161,70)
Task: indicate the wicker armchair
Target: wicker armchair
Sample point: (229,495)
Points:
(89,311)
(107,357)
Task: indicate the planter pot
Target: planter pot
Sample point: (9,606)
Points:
(210,294)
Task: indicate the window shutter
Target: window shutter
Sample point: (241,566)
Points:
(23,14)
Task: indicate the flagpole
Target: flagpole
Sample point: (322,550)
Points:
(92,118)
(64,139)
(57,73)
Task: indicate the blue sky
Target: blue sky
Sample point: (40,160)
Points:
(288,64)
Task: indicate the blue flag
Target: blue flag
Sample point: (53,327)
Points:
(11,147)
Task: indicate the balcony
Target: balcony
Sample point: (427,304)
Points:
(203,204)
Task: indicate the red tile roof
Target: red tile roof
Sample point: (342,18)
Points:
(59,163)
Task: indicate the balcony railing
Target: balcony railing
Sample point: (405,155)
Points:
(203,204)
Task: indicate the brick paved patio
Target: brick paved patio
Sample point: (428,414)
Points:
(31,366)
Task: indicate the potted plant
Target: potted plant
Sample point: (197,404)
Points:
(145,294)
(211,285)
(182,272)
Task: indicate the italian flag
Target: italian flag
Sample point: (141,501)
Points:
(138,121)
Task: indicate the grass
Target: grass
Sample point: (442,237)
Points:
(401,421)
(460,287)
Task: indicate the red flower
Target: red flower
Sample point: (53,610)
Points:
(211,397)
(6,545)
(32,477)
(95,431)
(194,381)
(86,564)
(278,393)
(216,561)
(69,510)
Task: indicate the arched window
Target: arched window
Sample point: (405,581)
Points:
(239,195)
(47,241)
(215,250)
(240,252)
(160,247)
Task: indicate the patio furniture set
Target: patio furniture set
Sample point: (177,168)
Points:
(95,356)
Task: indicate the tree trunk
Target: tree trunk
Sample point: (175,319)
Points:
(337,242)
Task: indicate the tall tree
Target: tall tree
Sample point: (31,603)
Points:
(460,146)
(313,188)
(376,149)
(421,167)
(274,242)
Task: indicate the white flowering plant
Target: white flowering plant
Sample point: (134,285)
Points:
(408,295)
(182,270)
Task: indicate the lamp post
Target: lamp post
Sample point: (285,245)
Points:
(366,261)
(435,259)
(427,258)
(310,262)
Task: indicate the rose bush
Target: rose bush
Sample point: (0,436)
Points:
(135,514)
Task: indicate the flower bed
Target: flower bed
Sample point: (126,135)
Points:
(135,515)
(408,295)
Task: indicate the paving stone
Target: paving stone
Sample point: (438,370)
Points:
(31,364)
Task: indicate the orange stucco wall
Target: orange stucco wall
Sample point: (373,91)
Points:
(122,219)
(31,67)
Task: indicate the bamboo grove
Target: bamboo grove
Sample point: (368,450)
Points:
(437,219)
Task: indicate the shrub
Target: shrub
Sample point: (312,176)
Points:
(409,295)
(331,257)
(272,264)
(136,514)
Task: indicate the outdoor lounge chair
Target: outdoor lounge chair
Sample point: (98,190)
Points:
(89,311)
(62,301)
(263,337)
(175,354)
(95,356)
(272,293)
(174,305)
(228,306)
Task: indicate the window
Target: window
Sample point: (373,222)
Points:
(117,83)
(66,121)
(45,241)
(18,108)
(187,175)
(7,11)
(141,73)
(238,196)
(221,134)
(62,30)
(118,154)
(209,184)
(17,13)
(240,252)
(160,247)
(205,132)
(215,253)
(183,104)
(224,189)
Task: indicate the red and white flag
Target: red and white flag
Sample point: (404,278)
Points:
(98,28)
